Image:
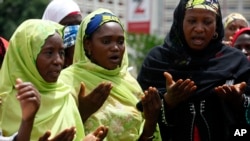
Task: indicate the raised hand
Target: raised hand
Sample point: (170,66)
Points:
(29,99)
(178,91)
(151,103)
(98,135)
(66,135)
(231,93)
(88,104)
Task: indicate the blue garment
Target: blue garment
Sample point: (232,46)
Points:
(69,35)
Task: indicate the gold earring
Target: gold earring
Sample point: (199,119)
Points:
(215,36)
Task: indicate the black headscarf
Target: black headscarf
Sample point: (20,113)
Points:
(207,68)
(213,66)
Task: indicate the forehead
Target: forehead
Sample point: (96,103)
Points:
(197,12)
(238,22)
(245,37)
(72,20)
(110,27)
(54,39)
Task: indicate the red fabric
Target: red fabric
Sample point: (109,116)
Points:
(5,42)
(196,134)
(74,13)
(238,33)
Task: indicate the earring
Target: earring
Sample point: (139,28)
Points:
(215,36)
(88,52)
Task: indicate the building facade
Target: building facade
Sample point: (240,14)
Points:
(162,11)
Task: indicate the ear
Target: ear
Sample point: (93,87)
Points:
(87,46)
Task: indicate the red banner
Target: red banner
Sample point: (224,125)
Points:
(139,16)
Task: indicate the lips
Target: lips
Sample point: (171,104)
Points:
(115,59)
(55,73)
(198,41)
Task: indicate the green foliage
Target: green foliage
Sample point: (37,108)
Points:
(139,45)
(14,12)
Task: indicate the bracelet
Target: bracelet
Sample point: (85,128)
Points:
(246,101)
(143,138)
(163,113)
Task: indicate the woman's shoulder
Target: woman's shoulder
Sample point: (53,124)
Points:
(233,53)
(157,51)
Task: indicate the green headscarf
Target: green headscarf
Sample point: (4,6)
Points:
(58,109)
(119,110)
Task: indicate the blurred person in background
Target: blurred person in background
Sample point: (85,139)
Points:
(64,12)
(241,41)
(232,23)
(67,13)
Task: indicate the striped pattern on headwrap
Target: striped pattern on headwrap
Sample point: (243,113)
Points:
(211,5)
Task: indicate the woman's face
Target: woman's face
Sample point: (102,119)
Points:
(50,60)
(69,54)
(199,26)
(107,46)
(243,43)
(233,27)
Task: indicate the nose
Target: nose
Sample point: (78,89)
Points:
(58,59)
(199,28)
(115,47)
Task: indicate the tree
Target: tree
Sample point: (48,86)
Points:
(14,12)
(139,46)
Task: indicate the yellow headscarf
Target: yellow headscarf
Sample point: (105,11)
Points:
(233,16)
(119,110)
(211,5)
(58,109)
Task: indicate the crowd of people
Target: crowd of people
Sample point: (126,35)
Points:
(65,77)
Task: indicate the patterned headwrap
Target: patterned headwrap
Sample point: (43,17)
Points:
(211,5)
(69,35)
(233,16)
(98,20)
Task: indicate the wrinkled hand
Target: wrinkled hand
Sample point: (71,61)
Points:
(179,91)
(92,102)
(98,135)
(29,99)
(231,93)
(151,103)
(65,135)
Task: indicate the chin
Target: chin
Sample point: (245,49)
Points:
(52,80)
